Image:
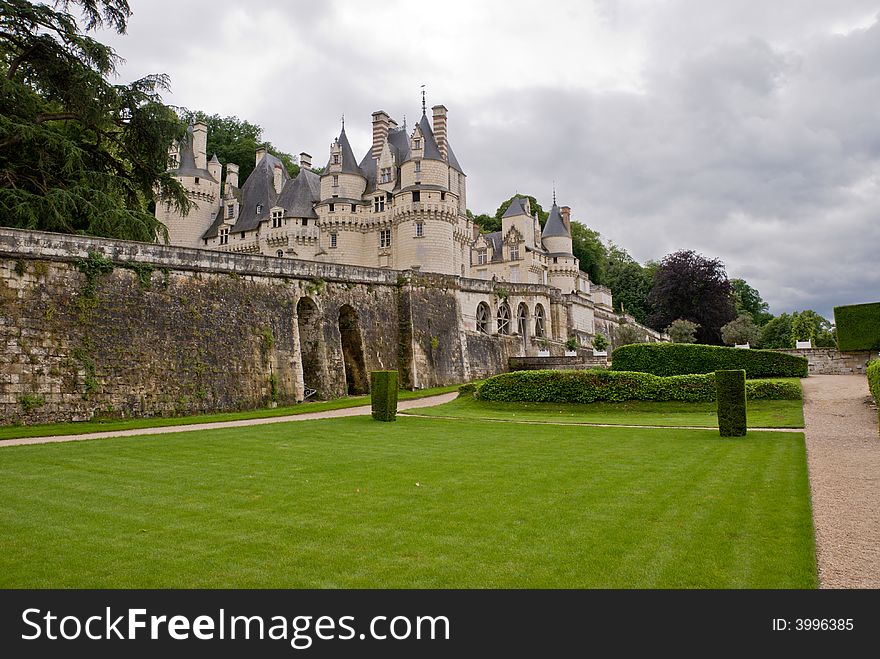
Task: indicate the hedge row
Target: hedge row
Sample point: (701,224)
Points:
(688,358)
(858,326)
(383,395)
(589,386)
(874,380)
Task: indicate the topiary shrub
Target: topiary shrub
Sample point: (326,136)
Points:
(383,395)
(731,397)
(683,359)
(858,326)
(874,380)
(588,386)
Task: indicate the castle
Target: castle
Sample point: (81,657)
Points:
(403,207)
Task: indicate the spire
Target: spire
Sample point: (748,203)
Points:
(554,192)
(343,122)
(424,105)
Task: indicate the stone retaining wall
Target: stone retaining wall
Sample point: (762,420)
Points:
(830,361)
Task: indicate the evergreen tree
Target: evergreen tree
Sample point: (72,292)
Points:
(79,154)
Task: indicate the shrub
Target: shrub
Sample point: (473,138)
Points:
(383,395)
(684,359)
(874,380)
(858,326)
(571,343)
(731,397)
(683,331)
(741,330)
(600,342)
(588,386)
(624,335)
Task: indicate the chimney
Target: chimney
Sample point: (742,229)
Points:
(231,176)
(277,179)
(381,122)
(565,211)
(440,129)
(200,145)
(261,151)
(305,160)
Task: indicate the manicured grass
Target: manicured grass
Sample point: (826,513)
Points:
(419,503)
(761,413)
(84,427)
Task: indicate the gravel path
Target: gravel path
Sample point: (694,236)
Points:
(308,416)
(843,453)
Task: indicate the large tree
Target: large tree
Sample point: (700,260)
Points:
(630,283)
(690,286)
(748,300)
(587,246)
(235,140)
(79,154)
(533,203)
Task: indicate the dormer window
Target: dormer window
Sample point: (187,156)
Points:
(386,175)
(224,236)
(277,214)
(230,211)
(335,159)
(481,256)
(417,144)
(259,209)
(379,204)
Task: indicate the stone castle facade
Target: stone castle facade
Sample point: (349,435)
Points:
(403,207)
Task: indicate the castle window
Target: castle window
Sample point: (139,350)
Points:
(197,180)
(442,196)
(276,218)
(224,236)
(241,236)
(379,204)
(420,229)
(386,175)
(503,319)
(333,240)
(230,211)
(336,180)
(332,207)
(336,159)
(539,320)
(555,260)
(279,253)
(514,252)
(259,209)
(385,238)
(483,318)
(417,195)
(353,209)
(481,256)
(418,166)
(417,144)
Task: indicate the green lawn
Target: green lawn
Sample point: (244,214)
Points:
(761,413)
(417,503)
(84,427)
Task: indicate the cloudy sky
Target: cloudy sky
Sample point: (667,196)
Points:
(746,130)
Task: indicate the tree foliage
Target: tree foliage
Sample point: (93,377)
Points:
(807,325)
(682,331)
(690,286)
(533,204)
(587,246)
(630,283)
(776,333)
(748,300)
(625,334)
(741,330)
(235,140)
(79,154)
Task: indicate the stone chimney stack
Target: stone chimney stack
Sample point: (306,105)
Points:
(278,178)
(231,176)
(200,145)
(261,152)
(440,129)
(565,211)
(381,123)
(305,160)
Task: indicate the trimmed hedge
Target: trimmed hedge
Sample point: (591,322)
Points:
(858,326)
(874,380)
(731,397)
(688,358)
(588,386)
(383,395)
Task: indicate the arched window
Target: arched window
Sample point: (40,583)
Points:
(522,319)
(483,318)
(503,319)
(279,253)
(539,321)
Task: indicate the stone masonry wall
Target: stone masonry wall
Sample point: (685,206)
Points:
(830,361)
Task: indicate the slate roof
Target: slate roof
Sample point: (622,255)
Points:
(349,164)
(555,226)
(186,159)
(298,197)
(517,207)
